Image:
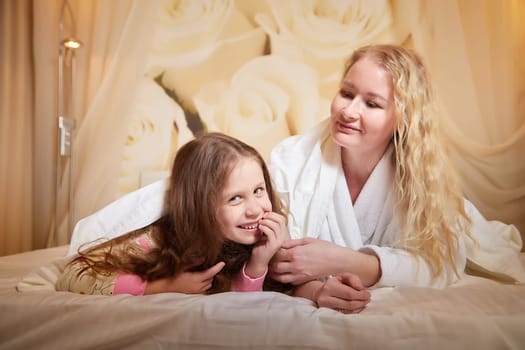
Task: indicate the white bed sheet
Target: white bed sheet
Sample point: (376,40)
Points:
(474,314)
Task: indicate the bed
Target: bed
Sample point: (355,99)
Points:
(475,313)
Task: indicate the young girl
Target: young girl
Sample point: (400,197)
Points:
(222,226)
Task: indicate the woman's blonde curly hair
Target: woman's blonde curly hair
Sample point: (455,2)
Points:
(430,200)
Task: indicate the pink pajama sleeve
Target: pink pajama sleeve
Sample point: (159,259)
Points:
(128,283)
(244,283)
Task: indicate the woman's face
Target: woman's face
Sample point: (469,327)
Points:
(243,202)
(362,112)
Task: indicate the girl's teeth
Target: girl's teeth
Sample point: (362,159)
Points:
(249,227)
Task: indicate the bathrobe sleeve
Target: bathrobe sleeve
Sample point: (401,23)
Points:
(399,268)
(492,251)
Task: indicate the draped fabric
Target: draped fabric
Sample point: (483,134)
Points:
(118,36)
(473,51)
(16,127)
(472,48)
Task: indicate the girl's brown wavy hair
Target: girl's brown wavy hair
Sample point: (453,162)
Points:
(188,236)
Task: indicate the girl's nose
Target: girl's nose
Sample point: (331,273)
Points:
(254,208)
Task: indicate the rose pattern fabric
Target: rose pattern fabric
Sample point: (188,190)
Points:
(256,70)
(157,129)
(323,33)
(201,40)
(263,103)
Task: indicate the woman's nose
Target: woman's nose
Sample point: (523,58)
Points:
(352,108)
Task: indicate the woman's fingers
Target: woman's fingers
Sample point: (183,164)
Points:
(340,294)
(210,273)
(291,243)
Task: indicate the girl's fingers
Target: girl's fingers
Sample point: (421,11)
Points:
(269,232)
(274,220)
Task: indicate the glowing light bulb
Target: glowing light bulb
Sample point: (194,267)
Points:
(71,43)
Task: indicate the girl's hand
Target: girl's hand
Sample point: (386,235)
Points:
(274,233)
(185,282)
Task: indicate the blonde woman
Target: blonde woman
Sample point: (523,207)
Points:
(372,198)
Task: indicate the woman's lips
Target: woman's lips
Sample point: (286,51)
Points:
(346,127)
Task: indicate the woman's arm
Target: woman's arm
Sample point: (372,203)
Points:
(401,268)
(305,259)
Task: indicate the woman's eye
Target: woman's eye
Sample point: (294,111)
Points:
(346,94)
(372,104)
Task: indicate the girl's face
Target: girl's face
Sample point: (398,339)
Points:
(243,202)
(362,113)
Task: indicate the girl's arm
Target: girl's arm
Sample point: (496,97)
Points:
(73,279)
(89,282)
(253,274)
(77,277)
(244,283)
(251,277)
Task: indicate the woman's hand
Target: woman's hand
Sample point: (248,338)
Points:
(305,259)
(185,282)
(344,293)
(274,233)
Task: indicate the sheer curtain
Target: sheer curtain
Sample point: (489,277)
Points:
(474,49)
(117,36)
(16,125)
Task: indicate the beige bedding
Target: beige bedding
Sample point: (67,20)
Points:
(476,314)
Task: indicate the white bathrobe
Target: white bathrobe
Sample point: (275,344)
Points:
(307,173)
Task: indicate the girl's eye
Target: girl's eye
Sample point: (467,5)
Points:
(258,190)
(234,199)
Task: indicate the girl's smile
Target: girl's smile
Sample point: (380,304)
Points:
(244,202)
